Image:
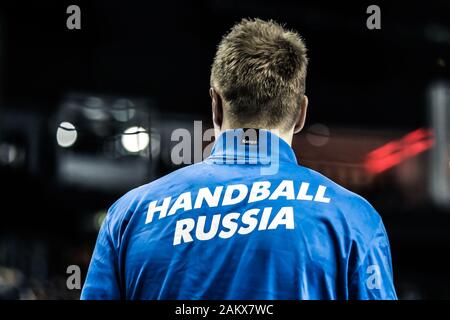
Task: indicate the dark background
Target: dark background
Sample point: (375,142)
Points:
(358,79)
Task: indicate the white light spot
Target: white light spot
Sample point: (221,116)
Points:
(135,139)
(66,135)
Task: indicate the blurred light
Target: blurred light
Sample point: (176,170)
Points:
(94,109)
(156,143)
(123,110)
(437,33)
(99,217)
(135,139)
(318,135)
(438,101)
(66,135)
(8,153)
(441,62)
(395,152)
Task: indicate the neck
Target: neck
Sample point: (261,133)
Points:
(286,136)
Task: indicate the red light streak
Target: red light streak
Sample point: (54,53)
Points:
(395,152)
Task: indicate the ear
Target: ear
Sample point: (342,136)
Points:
(300,123)
(217,107)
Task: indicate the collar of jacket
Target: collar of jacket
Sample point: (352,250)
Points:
(250,146)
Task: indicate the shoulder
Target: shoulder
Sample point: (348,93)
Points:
(355,210)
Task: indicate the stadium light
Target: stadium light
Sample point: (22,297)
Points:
(66,135)
(135,139)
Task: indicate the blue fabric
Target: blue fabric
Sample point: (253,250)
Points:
(246,223)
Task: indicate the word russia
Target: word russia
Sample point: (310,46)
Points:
(233,222)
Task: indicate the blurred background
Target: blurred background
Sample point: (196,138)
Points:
(86,115)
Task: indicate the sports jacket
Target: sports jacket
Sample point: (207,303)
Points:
(248,222)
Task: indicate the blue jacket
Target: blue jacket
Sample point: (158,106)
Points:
(246,223)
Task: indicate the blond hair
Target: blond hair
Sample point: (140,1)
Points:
(260,71)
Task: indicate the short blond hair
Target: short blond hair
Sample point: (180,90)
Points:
(260,71)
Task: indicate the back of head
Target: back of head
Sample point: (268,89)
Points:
(260,70)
